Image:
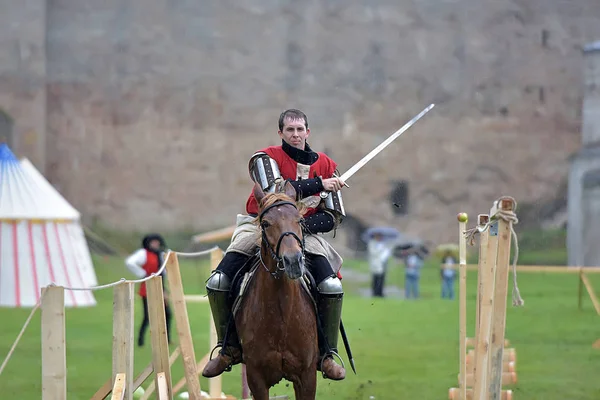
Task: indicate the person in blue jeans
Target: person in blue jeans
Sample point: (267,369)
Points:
(414,262)
(448,274)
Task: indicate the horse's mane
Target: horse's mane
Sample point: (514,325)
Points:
(272,198)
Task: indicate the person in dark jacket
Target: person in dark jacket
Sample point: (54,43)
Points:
(142,263)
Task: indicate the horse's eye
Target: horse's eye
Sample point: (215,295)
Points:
(264,224)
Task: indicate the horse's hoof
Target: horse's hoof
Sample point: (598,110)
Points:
(332,370)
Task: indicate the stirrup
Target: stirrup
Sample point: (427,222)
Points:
(330,353)
(222,352)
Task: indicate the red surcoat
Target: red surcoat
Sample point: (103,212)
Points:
(151,266)
(288,167)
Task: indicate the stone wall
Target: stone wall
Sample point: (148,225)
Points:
(23,76)
(153,107)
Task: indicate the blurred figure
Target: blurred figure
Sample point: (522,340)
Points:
(448,274)
(142,263)
(414,262)
(379,254)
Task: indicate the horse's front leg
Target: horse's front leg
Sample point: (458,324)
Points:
(257,384)
(306,388)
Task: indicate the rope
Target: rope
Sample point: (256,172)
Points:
(511,218)
(14,346)
(120,281)
(152,275)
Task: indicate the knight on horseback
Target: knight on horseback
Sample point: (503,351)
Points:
(310,173)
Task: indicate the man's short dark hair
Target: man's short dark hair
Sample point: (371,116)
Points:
(292,114)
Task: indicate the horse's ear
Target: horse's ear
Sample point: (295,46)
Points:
(258,193)
(289,190)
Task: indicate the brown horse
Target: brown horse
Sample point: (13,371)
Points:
(276,322)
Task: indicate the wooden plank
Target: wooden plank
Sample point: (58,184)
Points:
(471,342)
(215,236)
(462,227)
(141,378)
(152,385)
(54,352)
(118,390)
(453,394)
(488,269)
(106,389)
(158,330)
(559,269)
(509,354)
(163,387)
(590,290)
(215,388)
(196,298)
(580,291)
(508,378)
(500,298)
(123,335)
(186,344)
(507,366)
(199,366)
(482,220)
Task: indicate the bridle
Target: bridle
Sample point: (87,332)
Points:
(275,252)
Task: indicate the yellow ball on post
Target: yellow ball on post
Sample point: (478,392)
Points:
(462,217)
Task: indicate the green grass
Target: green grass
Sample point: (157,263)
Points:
(403,349)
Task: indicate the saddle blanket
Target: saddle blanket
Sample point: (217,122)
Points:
(246,239)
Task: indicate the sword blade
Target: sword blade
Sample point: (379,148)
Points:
(347,346)
(384,144)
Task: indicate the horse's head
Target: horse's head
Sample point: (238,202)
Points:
(280,218)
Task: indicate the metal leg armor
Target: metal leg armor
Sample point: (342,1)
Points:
(329,307)
(217,287)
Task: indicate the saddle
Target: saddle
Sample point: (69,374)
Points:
(244,276)
(240,284)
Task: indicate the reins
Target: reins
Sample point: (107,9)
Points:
(275,253)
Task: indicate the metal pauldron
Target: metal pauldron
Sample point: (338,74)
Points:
(264,170)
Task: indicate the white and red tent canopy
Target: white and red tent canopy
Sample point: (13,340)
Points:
(41,239)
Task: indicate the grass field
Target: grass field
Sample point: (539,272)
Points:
(403,349)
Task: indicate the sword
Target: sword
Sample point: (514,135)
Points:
(381,146)
(347,346)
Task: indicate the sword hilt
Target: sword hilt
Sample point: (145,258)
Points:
(324,194)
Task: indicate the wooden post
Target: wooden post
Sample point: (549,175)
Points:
(163,390)
(123,337)
(482,220)
(118,390)
(186,343)
(245,388)
(590,290)
(462,251)
(215,387)
(501,289)
(158,332)
(152,386)
(488,271)
(453,393)
(580,291)
(54,354)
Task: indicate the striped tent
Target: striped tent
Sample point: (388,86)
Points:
(41,239)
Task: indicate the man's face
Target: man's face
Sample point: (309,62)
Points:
(294,133)
(154,244)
